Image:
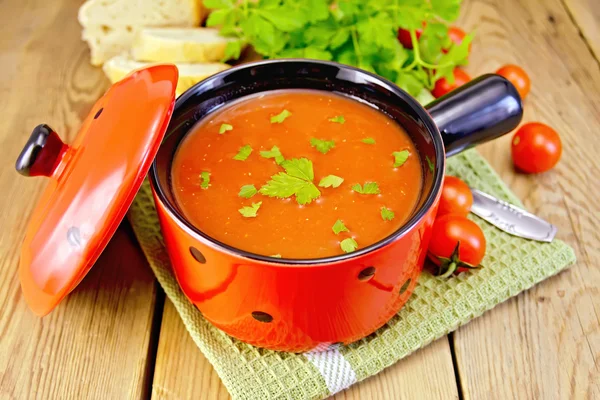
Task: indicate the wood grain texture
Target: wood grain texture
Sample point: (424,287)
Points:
(95,345)
(545,343)
(586,15)
(182,372)
(427,374)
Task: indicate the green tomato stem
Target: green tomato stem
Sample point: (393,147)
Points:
(451,268)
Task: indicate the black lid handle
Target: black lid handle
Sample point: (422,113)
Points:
(481,110)
(42,153)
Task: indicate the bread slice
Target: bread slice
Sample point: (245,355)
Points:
(189,74)
(188,45)
(109,26)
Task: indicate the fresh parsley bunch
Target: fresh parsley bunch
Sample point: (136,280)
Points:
(362,33)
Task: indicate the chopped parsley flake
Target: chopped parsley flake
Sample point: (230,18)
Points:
(224,128)
(244,153)
(331,180)
(400,157)
(205,179)
(368,140)
(387,214)
(296,180)
(368,188)
(338,118)
(250,212)
(429,163)
(273,153)
(322,146)
(247,191)
(339,227)
(349,245)
(279,118)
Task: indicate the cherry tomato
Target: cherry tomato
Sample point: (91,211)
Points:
(456,198)
(536,148)
(456,35)
(404,36)
(442,86)
(457,244)
(518,77)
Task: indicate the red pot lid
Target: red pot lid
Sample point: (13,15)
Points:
(92,182)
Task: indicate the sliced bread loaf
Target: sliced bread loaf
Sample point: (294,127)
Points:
(189,74)
(109,26)
(188,45)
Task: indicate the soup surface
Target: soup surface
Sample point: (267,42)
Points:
(297,174)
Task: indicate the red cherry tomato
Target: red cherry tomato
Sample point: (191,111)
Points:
(518,77)
(536,148)
(442,86)
(456,35)
(405,39)
(456,199)
(457,244)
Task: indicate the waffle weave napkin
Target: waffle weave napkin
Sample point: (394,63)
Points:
(436,308)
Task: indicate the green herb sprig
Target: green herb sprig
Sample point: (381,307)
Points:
(362,33)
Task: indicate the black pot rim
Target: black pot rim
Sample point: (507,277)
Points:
(415,220)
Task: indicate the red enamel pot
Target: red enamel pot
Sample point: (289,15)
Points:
(303,304)
(282,304)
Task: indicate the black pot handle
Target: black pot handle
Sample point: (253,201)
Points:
(481,110)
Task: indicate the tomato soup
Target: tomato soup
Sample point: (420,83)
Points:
(297,174)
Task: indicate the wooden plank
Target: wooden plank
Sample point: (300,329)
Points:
(95,344)
(182,372)
(427,374)
(586,15)
(544,344)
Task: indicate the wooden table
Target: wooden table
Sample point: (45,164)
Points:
(116,337)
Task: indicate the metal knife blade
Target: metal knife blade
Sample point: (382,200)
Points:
(511,219)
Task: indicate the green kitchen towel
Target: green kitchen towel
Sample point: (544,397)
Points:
(436,308)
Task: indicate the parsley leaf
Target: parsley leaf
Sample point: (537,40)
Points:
(307,194)
(279,118)
(250,212)
(244,153)
(247,191)
(295,181)
(282,186)
(400,157)
(338,227)
(331,180)
(368,188)
(273,153)
(322,146)
(349,245)
(338,118)
(300,168)
(387,214)
(368,140)
(232,50)
(205,177)
(224,128)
